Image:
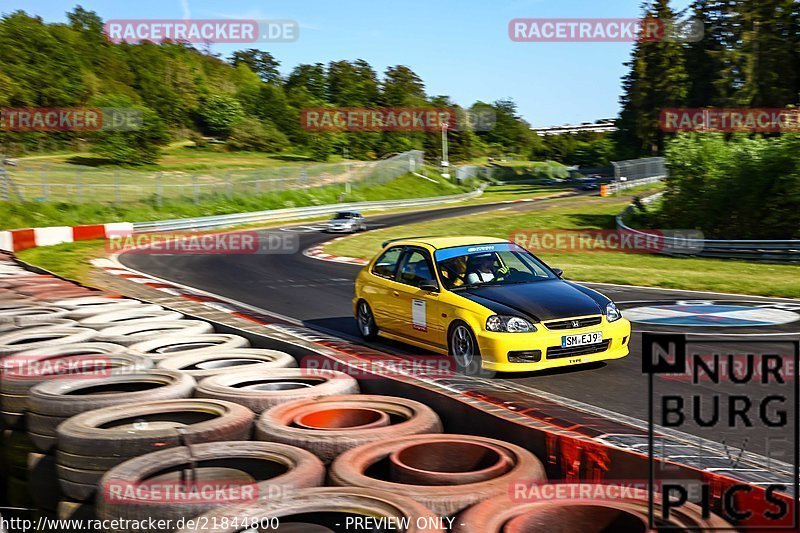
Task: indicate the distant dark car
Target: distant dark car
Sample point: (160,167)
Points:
(589,184)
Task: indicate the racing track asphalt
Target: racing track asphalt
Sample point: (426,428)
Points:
(318,294)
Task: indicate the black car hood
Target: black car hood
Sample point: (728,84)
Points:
(539,300)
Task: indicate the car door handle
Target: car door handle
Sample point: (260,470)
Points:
(396,293)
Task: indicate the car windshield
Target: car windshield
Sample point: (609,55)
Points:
(344,216)
(489,264)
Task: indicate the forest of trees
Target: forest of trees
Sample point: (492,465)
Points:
(733,185)
(185,92)
(749,56)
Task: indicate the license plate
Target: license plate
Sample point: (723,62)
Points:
(581,339)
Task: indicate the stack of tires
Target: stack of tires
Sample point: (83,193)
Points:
(123,410)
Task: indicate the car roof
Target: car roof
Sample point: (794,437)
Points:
(439,242)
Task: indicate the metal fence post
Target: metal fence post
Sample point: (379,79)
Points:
(79,185)
(4,186)
(195,191)
(159,192)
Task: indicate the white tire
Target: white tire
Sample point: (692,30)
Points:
(38,338)
(243,359)
(30,315)
(86,302)
(114,305)
(142,330)
(44,323)
(127,317)
(189,345)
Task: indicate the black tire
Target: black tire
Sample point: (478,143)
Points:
(68,397)
(463,348)
(365,319)
(259,461)
(82,462)
(407,417)
(18,382)
(77,491)
(43,443)
(141,427)
(266,388)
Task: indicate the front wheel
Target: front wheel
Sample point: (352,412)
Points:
(464,349)
(366,321)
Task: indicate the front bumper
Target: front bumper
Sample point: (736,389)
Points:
(495,347)
(340,229)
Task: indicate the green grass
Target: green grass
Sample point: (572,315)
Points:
(499,193)
(527,170)
(40,214)
(70,260)
(182,157)
(609,267)
(85,177)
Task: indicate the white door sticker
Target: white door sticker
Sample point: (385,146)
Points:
(418,315)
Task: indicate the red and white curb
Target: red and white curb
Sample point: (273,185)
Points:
(318,252)
(218,303)
(21,239)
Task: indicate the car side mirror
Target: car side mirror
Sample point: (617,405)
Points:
(558,272)
(429,285)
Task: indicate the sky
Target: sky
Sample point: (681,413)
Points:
(460,48)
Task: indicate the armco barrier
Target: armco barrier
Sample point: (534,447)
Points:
(769,250)
(22,239)
(221,221)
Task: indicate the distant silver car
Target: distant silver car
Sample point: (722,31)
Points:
(347,222)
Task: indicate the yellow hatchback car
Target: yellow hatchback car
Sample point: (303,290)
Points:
(488,302)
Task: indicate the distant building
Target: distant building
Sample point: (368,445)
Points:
(600,126)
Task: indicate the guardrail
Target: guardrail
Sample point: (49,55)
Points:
(768,250)
(236,219)
(616,186)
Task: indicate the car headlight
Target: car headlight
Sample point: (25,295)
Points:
(612,313)
(509,324)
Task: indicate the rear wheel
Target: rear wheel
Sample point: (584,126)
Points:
(464,349)
(366,321)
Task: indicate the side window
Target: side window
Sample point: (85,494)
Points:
(415,268)
(386,265)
